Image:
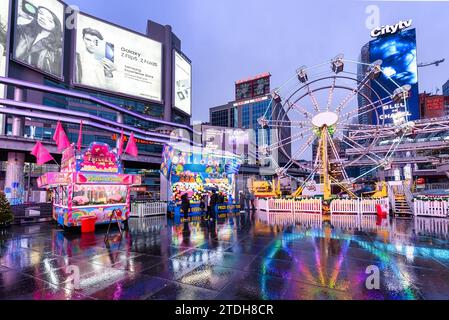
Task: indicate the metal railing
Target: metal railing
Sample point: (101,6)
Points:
(147,209)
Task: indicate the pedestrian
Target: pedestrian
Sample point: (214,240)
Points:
(203,204)
(185,205)
(252,198)
(213,203)
(247,196)
(242,201)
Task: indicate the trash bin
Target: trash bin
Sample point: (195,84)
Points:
(88,224)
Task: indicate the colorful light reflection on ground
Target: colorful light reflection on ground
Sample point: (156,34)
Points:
(252,256)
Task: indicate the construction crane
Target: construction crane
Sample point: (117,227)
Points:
(436,63)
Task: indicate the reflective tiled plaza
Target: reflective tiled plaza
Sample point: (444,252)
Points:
(250,256)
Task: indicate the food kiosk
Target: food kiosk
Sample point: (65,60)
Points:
(90,185)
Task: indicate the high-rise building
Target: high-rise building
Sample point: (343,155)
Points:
(253,101)
(446,89)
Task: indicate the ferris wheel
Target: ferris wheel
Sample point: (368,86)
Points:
(326,109)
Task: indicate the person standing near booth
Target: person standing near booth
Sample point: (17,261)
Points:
(185,205)
(213,203)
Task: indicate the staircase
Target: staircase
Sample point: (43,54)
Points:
(401,208)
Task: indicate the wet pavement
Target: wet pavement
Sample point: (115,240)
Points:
(250,256)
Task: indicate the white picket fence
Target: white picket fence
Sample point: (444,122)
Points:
(432,226)
(290,205)
(146,209)
(432,208)
(358,206)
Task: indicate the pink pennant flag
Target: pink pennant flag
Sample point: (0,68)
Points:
(60,137)
(120,146)
(131,147)
(80,137)
(41,153)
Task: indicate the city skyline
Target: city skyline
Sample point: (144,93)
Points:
(266,42)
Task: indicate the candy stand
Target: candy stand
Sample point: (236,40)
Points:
(90,185)
(198,172)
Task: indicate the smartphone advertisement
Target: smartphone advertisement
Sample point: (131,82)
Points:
(183,84)
(113,59)
(39,35)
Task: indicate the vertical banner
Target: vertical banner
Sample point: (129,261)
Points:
(4,31)
(39,35)
(183,84)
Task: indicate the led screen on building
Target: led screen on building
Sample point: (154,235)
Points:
(116,60)
(39,35)
(183,84)
(254,87)
(398,53)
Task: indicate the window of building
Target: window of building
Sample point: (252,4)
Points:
(220,118)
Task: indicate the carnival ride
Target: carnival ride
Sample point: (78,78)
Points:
(306,106)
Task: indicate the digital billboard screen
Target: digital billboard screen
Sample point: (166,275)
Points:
(39,35)
(251,88)
(399,65)
(116,60)
(183,84)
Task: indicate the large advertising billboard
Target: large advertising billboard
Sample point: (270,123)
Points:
(39,35)
(116,60)
(4,30)
(183,84)
(398,55)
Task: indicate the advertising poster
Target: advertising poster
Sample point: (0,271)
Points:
(183,84)
(4,30)
(116,60)
(39,35)
(399,65)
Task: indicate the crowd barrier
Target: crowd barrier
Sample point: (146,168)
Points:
(431,208)
(146,209)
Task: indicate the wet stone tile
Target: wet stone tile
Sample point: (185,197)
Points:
(253,286)
(59,276)
(30,289)
(138,263)
(90,283)
(135,287)
(111,258)
(232,260)
(180,291)
(209,277)
(171,269)
(8,277)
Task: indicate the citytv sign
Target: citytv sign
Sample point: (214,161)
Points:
(390,29)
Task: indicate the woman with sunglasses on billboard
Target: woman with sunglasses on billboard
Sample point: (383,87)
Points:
(39,42)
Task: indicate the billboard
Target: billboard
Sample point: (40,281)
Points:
(39,35)
(113,59)
(398,55)
(253,87)
(183,84)
(4,31)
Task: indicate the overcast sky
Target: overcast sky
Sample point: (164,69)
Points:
(228,40)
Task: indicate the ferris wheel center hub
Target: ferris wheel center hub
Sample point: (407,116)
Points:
(325,119)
